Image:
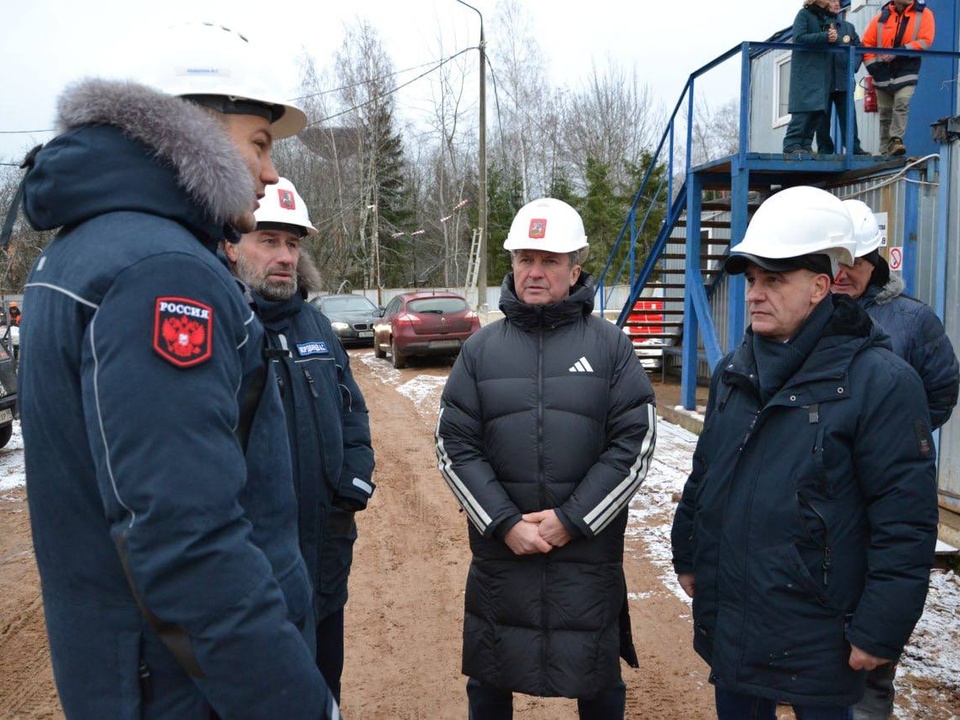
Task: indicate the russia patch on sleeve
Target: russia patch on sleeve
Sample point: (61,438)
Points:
(183,331)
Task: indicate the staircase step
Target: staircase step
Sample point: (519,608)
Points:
(724,205)
(683,256)
(680,271)
(651,322)
(682,222)
(652,336)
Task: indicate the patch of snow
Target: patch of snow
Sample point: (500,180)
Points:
(932,651)
(698,413)
(423,390)
(12,472)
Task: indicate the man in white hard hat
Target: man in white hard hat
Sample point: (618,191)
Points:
(158,472)
(547,427)
(918,337)
(326,414)
(806,530)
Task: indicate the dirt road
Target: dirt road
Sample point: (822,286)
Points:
(406,591)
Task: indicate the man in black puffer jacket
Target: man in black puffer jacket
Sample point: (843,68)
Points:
(806,530)
(547,427)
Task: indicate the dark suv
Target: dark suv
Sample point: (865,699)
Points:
(352,317)
(8,393)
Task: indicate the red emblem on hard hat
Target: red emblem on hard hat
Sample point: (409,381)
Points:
(287,200)
(538,228)
(183,331)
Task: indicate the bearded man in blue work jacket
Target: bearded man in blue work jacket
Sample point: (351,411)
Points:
(327,420)
(806,530)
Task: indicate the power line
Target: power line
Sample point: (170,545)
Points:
(392,91)
(363,82)
(434,65)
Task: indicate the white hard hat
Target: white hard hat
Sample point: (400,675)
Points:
(219,67)
(866,230)
(282,204)
(546,224)
(795,223)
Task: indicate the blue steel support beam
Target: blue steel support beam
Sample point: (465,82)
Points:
(943,215)
(740,187)
(693,279)
(736,288)
(744,138)
(911,219)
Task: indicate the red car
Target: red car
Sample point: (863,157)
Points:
(423,323)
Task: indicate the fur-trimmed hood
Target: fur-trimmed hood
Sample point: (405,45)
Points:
(125,146)
(893,288)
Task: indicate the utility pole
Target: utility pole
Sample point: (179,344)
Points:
(482,201)
(376,246)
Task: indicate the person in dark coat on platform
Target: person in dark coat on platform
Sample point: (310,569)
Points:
(546,430)
(806,531)
(811,76)
(840,87)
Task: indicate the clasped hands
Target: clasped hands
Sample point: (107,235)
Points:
(538,532)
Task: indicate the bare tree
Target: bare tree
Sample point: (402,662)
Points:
(25,244)
(716,132)
(611,120)
(529,111)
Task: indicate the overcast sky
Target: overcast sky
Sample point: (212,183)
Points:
(46,43)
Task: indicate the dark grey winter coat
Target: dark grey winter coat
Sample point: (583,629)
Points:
(548,408)
(919,338)
(809,522)
(811,67)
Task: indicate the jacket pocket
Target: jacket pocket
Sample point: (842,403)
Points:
(298,593)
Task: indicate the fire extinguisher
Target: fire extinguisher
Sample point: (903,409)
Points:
(869,95)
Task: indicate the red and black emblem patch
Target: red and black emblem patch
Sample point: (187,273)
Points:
(183,331)
(287,200)
(538,229)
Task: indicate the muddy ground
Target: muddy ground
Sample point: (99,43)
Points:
(406,596)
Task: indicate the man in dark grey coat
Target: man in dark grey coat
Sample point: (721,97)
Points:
(914,329)
(547,426)
(807,528)
(918,337)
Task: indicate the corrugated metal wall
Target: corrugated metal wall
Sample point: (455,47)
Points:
(949,480)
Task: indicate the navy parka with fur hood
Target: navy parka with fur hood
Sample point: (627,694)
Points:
(918,337)
(547,408)
(809,521)
(158,477)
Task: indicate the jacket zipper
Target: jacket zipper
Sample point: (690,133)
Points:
(543,499)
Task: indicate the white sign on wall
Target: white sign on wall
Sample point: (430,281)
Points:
(895,260)
(857,5)
(882,222)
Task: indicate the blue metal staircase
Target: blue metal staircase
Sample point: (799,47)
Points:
(703,310)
